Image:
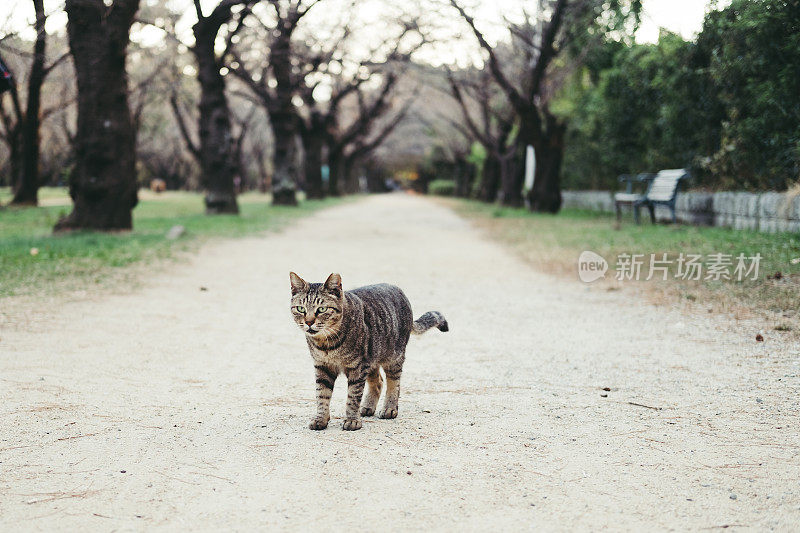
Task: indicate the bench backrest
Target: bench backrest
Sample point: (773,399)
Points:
(664,186)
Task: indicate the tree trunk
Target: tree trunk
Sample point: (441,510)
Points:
(463,174)
(313,144)
(350,175)
(511,188)
(14,141)
(471,172)
(335,167)
(490,179)
(546,193)
(284,159)
(218,164)
(103,182)
(376,182)
(27,187)
(283,118)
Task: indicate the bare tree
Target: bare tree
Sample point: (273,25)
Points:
(286,82)
(453,145)
(217,149)
(275,82)
(12,131)
(315,118)
(103,183)
(339,136)
(557,25)
(321,120)
(361,135)
(22,126)
(493,130)
(372,137)
(525,98)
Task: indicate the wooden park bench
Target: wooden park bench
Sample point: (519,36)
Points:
(662,189)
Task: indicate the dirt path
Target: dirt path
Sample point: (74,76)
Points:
(177,408)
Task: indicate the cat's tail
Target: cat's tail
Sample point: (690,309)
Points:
(431,319)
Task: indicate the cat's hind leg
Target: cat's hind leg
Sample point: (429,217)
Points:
(374,386)
(393,372)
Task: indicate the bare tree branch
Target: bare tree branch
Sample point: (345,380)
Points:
(367,147)
(505,84)
(548,50)
(63,57)
(179,118)
(459,98)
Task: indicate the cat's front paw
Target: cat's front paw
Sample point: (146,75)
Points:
(318,424)
(352,424)
(388,413)
(367,411)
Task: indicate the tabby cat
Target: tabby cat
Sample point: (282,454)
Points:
(356,333)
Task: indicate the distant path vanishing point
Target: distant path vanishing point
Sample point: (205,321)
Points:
(181,408)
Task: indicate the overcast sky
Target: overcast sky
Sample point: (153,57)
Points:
(681,16)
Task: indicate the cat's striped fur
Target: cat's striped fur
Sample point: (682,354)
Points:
(356,333)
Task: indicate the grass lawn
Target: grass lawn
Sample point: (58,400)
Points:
(553,243)
(34,261)
(58,194)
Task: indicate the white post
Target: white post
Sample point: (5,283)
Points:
(530,167)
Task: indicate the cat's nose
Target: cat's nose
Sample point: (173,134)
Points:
(310,321)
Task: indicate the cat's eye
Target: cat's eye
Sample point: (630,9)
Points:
(321,309)
(300,309)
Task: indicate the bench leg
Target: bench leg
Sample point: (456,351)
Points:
(618,208)
(636,217)
(652,209)
(674,218)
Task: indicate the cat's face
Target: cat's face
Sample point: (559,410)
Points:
(317,307)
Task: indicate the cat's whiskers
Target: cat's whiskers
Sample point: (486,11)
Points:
(337,336)
(327,333)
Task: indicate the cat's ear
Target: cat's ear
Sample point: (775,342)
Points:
(298,283)
(334,284)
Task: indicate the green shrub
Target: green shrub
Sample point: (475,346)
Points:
(724,105)
(442,187)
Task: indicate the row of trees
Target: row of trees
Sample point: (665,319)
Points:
(726,105)
(599,104)
(21,123)
(259,89)
(507,105)
(322,102)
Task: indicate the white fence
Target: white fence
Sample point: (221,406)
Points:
(768,212)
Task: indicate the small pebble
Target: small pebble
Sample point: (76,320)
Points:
(122,471)
(733,496)
(175,232)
